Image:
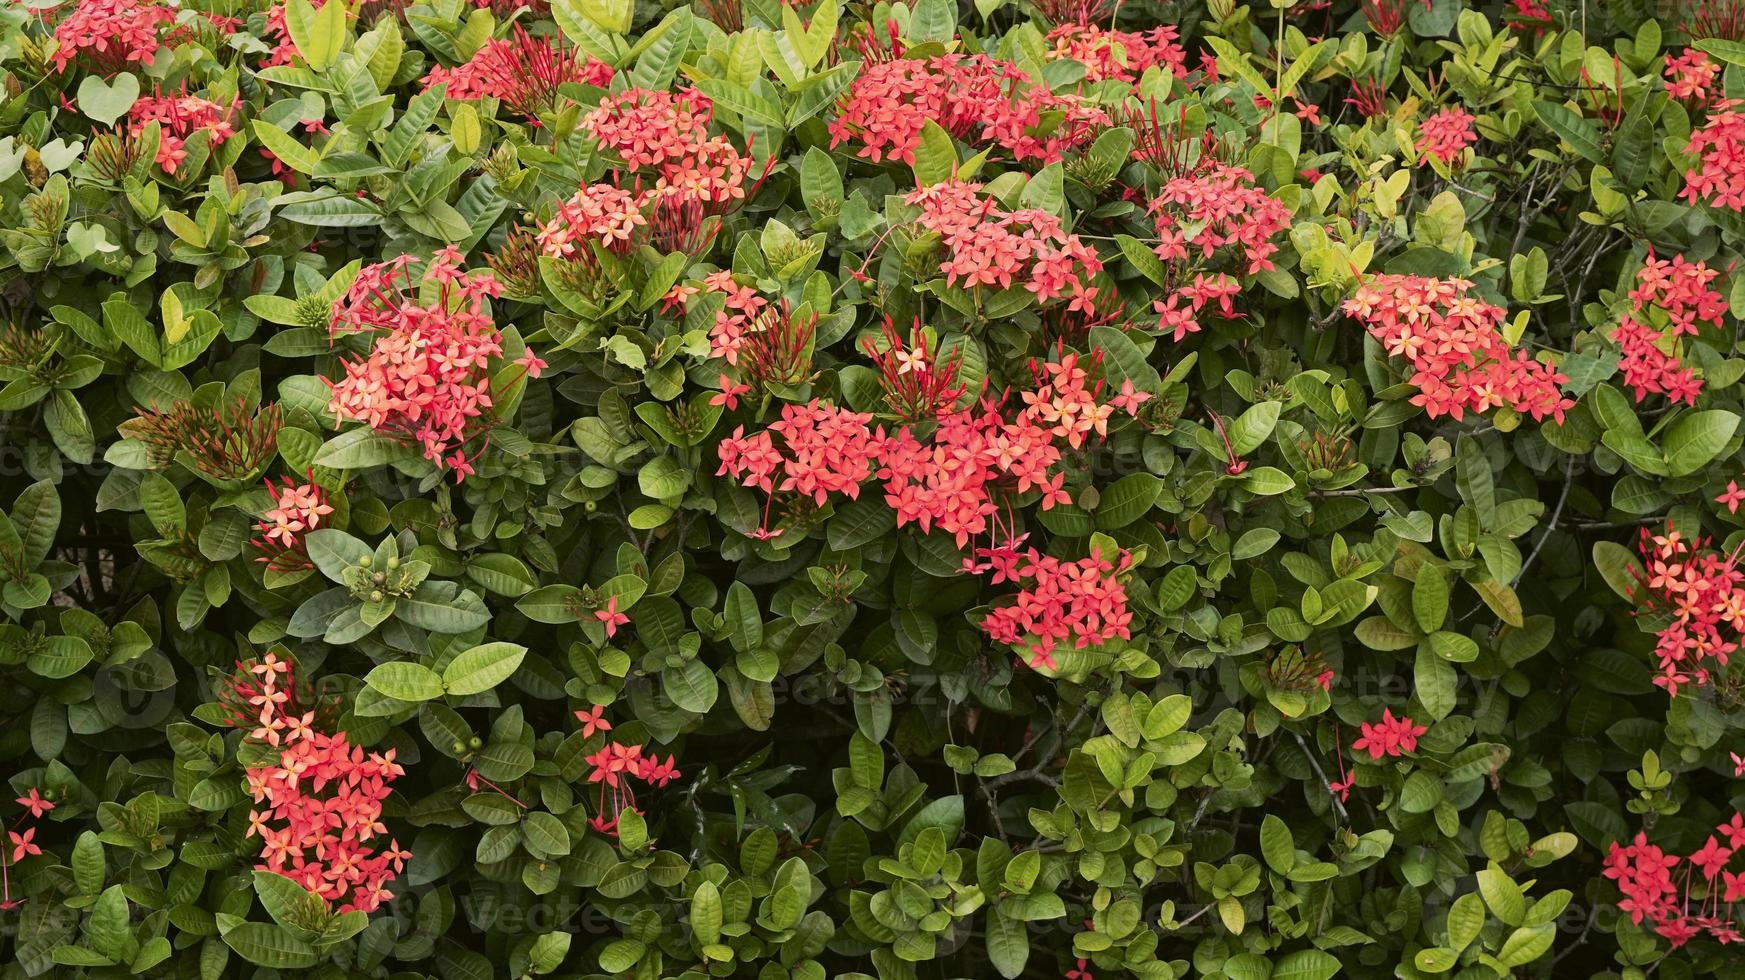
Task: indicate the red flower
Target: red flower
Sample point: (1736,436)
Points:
(1390,736)
(21,844)
(593,720)
(611,616)
(34,802)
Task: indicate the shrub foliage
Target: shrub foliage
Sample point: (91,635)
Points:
(1044,488)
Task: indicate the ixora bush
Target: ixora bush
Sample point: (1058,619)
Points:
(1062,489)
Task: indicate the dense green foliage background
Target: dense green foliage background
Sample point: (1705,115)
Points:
(869,783)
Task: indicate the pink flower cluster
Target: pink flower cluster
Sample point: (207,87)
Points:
(604,213)
(1448,335)
(971,97)
(986,246)
(1445,135)
(1691,76)
(668,134)
(1699,589)
(738,317)
(1120,55)
(614,766)
(297,509)
(427,374)
(1657,889)
(1680,291)
(1082,601)
(112,35)
(178,117)
(1180,320)
(1389,736)
(1214,207)
(1719,177)
(322,798)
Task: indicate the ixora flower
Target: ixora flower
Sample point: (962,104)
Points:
(890,103)
(1675,293)
(1217,207)
(1451,340)
(1697,590)
(110,35)
(298,508)
(427,375)
(1719,177)
(1445,135)
(986,246)
(1389,736)
(179,117)
(1681,898)
(614,768)
(318,805)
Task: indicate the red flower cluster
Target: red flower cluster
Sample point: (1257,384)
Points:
(1390,736)
(1719,177)
(973,96)
(1655,888)
(297,509)
(1679,291)
(824,450)
(1082,601)
(615,766)
(1120,55)
(1214,207)
(427,374)
(1445,135)
(1691,76)
(1458,358)
(1698,588)
(986,246)
(949,481)
(605,213)
(323,796)
(179,117)
(111,35)
(523,72)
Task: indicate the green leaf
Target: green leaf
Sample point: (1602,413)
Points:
(1252,427)
(1276,844)
(1581,135)
(1267,481)
(361,448)
(405,681)
(318,34)
(692,686)
(936,157)
(480,668)
(1307,964)
(546,835)
(1696,439)
(1127,500)
(1008,944)
(269,945)
(104,102)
